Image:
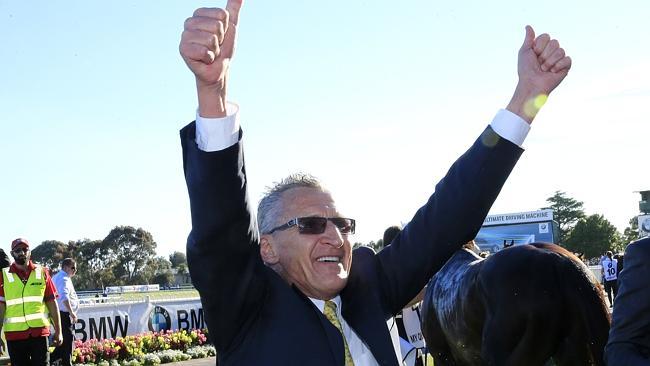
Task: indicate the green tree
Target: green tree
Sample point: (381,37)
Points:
(375,246)
(592,236)
(134,249)
(50,253)
(157,271)
(631,233)
(95,262)
(178,258)
(566,212)
(183,269)
(160,272)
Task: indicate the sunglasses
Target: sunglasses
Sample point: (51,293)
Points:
(21,250)
(317,225)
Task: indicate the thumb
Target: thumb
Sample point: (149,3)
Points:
(529,39)
(233,7)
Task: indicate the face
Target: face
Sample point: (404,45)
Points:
(317,264)
(71,270)
(21,255)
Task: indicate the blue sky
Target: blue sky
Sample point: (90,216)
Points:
(376,98)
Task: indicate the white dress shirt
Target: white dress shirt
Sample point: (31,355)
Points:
(65,289)
(360,353)
(214,134)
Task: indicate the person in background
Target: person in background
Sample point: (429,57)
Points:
(26,295)
(620,263)
(610,275)
(68,306)
(629,336)
(389,234)
(602,272)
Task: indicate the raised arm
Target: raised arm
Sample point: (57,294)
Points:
(207,47)
(222,249)
(455,212)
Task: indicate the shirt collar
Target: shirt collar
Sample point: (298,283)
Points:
(14,267)
(320,304)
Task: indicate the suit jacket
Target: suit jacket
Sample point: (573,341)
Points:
(629,336)
(255,318)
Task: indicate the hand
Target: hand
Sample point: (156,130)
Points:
(207,46)
(542,62)
(73,318)
(3,347)
(57,339)
(542,65)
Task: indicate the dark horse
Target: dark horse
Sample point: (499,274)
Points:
(4,259)
(528,305)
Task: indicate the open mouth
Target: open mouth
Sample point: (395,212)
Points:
(329,259)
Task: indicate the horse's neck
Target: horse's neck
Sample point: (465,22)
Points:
(466,256)
(461,262)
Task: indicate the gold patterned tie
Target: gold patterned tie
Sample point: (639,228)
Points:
(330,314)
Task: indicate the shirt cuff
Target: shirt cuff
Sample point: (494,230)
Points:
(214,134)
(510,126)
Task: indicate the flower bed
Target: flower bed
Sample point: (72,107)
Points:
(147,349)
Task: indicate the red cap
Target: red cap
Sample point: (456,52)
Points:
(18,242)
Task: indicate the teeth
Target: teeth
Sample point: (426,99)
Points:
(329,259)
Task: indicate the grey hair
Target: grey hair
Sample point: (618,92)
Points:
(269,210)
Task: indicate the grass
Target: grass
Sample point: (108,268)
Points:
(157,295)
(154,295)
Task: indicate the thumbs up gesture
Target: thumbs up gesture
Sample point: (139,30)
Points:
(207,46)
(542,65)
(542,61)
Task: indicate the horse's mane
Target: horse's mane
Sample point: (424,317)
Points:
(553,248)
(556,249)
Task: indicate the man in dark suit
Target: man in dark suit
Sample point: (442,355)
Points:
(294,292)
(629,336)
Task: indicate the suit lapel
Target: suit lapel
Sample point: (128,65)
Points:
(334,337)
(368,321)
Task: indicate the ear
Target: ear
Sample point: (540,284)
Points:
(268,254)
